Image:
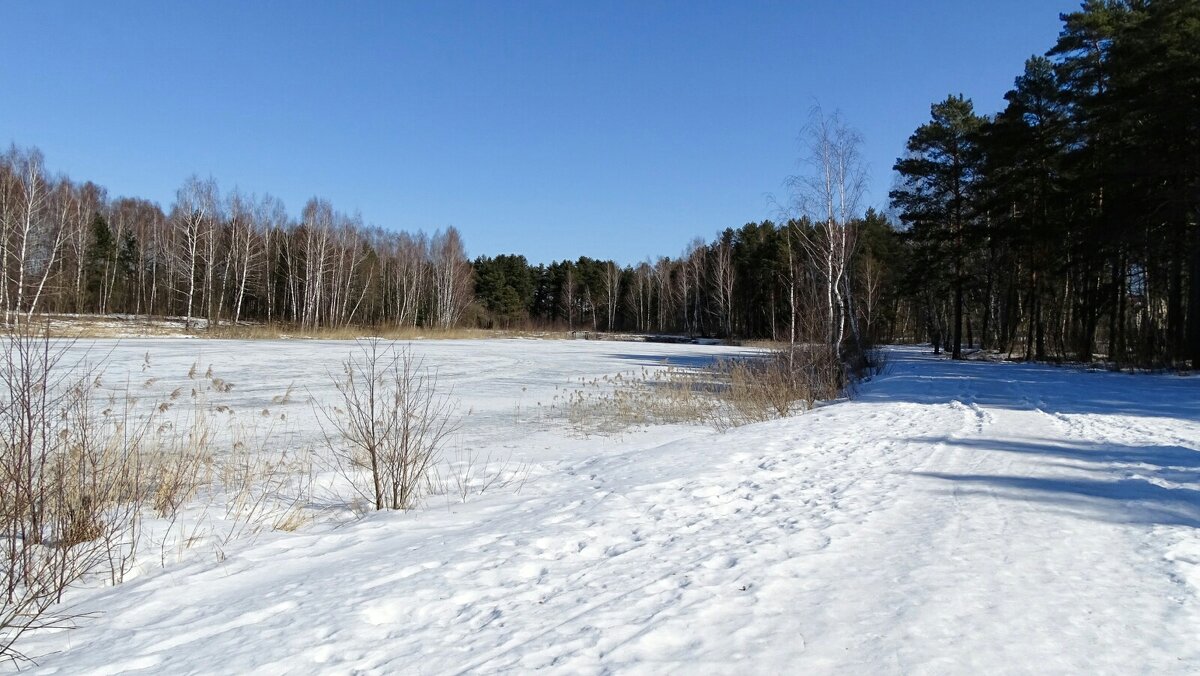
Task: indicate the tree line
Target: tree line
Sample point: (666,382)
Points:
(215,259)
(741,284)
(1062,227)
(1065,226)
(66,247)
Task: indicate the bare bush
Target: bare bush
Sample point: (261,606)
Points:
(81,468)
(67,479)
(472,474)
(391,424)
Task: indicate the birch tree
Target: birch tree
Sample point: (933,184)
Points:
(829,193)
(722,282)
(664,293)
(317,221)
(32,238)
(451,277)
(612,292)
(191,217)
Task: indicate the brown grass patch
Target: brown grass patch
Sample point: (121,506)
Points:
(726,393)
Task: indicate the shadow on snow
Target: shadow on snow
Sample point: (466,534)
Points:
(1053,389)
(1125,484)
(688,361)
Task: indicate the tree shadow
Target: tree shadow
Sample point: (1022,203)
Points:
(1125,484)
(1133,501)
(919,377)
(690,361)
(1179,458)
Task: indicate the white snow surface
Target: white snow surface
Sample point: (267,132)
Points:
(954,517)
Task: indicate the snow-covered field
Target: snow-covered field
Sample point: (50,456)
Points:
(954,518)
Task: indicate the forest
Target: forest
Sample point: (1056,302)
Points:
(1063,227)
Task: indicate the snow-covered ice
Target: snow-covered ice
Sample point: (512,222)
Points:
(956,517)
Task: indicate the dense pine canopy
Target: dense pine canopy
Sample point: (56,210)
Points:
(1067,223)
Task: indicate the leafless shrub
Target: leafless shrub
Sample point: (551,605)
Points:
(66,480)
(473,473)
(80,469)
(391,424)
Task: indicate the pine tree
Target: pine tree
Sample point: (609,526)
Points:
(936,195)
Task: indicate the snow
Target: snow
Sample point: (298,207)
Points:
(955,517)
(117,325)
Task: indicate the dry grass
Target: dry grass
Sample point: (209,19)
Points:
(82,470)
(278,331)
(243,475)
(781,383)
(266,480)
(666,395)
(74,480)
(763,344)
(726,393)
(293,519)
(107,326)
(117,326)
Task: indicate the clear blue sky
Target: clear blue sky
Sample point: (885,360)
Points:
(553,129)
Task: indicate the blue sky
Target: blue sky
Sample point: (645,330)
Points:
(553,129)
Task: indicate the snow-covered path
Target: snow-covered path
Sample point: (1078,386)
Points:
(954,518)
